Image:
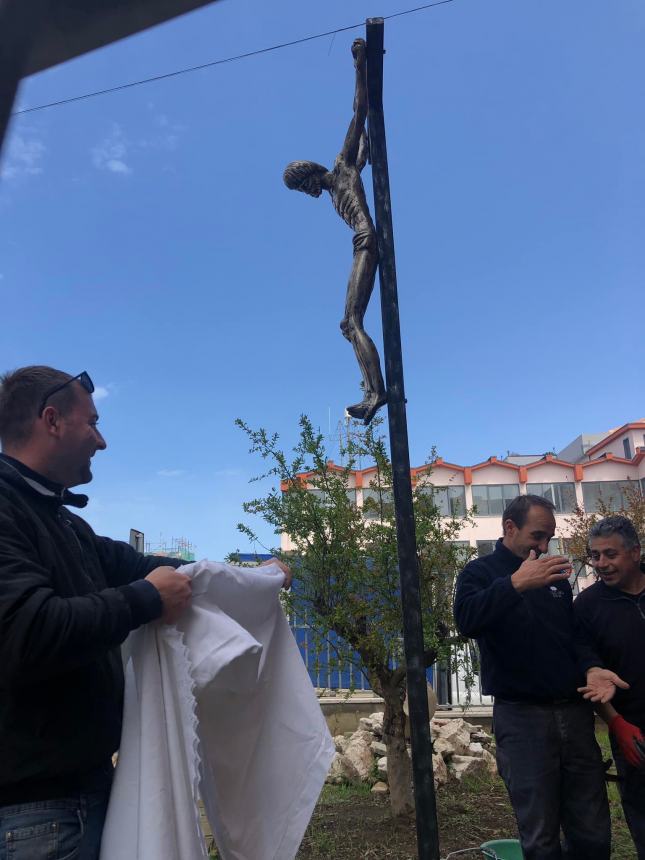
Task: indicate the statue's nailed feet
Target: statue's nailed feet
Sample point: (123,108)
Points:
(367,408)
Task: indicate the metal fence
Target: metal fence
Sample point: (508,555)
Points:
(331,675)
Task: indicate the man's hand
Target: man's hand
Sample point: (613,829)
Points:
(601,685)
(174,589)
(359,52)
(537,572)
(630,741)
(288,576)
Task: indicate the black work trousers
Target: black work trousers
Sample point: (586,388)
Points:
(548,757)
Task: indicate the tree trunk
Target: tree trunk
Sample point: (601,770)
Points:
(399,766)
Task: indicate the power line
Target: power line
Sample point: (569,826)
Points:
(220,62)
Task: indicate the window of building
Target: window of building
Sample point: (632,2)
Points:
(372,501)
(555,546)
(463,550)
(627,448)
(322,496)
(491,499)
(485,547)
(451,501)
(613,494)
(563,495)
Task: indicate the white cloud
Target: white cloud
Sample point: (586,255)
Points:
(112,152)
(167,135)
(117,166)
(23,157)
(103,391)
(171,473)
(171,132)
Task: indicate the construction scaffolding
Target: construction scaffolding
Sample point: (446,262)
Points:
(177,548)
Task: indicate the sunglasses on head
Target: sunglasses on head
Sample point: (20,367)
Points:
(83,378)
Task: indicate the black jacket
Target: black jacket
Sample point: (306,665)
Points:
(525,640)
(66,604)
(610,632)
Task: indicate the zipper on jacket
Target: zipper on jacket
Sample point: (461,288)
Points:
(77,543)
(636,603)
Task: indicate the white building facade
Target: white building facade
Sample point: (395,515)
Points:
(592,467)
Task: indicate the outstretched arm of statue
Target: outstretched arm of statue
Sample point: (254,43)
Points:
(350,151)
(363,151)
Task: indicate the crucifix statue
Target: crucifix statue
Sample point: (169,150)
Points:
(345,188)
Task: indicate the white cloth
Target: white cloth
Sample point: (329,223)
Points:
(220,707)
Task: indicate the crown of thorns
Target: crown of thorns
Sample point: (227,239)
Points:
(296,172)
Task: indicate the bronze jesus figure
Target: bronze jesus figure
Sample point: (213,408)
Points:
(345,187)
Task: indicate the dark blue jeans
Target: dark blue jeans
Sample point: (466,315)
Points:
(632,795)
(551,764)
(67,828)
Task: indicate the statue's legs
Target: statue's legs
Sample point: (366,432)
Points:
(359,291)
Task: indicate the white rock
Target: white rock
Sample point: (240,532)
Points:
(491,762)
(443,747)
(475,749)
(377,722)
(432,701)
(380,788)
(378,748)
(359,753)
(366,724)
(440,771)
(340,742)
(342,770)
(456,732)
(482,738)
(460,765)
(448,727)
(360,736)
(381,767)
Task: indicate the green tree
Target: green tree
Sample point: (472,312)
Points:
(345,562)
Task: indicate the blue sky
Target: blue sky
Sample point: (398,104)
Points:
(147,237)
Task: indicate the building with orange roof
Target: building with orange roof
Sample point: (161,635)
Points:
(591,467)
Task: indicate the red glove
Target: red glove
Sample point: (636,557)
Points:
(630,740)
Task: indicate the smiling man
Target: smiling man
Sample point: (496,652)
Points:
(68,599)
(610,634)
(517,604)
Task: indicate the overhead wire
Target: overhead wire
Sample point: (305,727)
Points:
(212,63)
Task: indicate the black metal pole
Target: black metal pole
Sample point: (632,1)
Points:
(424,797)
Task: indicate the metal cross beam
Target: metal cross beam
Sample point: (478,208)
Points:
(424,796)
